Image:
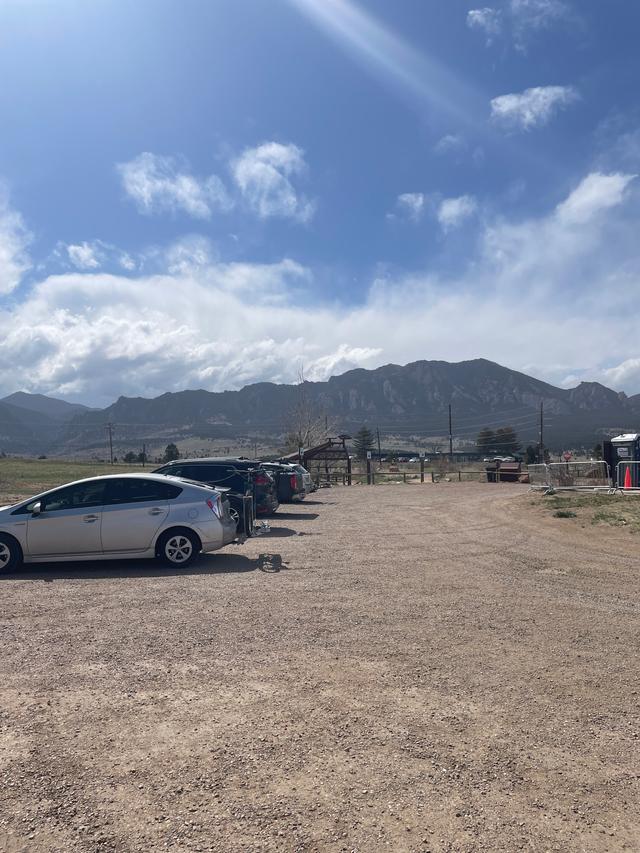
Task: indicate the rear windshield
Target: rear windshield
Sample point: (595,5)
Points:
(219,473)
(197,483)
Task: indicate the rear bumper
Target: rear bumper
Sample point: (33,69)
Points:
(229,532)
(226,534)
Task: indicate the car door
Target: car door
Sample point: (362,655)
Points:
(133,512)
(69,521)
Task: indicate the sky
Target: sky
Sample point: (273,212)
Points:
(208,193)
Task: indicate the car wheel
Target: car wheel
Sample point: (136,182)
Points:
(235,515)
(178,547)
(10,554)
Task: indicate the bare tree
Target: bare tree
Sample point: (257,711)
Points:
(307,424)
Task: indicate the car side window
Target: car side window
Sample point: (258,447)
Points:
(199,473)
(74,497)
(205,473)
(131,490)
(27,509)
(174,471)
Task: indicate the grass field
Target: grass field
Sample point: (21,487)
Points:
(24,477)
(613,510)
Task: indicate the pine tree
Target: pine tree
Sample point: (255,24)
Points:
(171,452)
(485,441)
(506,441)
(362,442)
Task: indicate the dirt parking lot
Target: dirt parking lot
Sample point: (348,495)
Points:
(405,668)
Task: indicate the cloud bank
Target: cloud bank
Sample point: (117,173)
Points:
(531,298)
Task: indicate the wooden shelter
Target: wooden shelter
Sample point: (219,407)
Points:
(325,458)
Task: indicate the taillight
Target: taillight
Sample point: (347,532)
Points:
(294,482)
(261,480)
(215,506)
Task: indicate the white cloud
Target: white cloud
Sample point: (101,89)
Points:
(84,256)
(91,256)
(127,262)
(533,107)
(452,212)
(158,185)
(487,19)
(596,193)
(188,254)
(450,142)
(264,177)
(520,20)
(410,205)
(538,14)
(14,240)
(531,295)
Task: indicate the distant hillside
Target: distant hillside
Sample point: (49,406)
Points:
(34,424)
(409,402)
(57,410)
(22,431)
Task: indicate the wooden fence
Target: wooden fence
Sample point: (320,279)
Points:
(372,477)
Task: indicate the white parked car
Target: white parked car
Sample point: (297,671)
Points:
(307,482)
(115,517)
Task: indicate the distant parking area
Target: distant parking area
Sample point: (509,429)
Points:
(410,668)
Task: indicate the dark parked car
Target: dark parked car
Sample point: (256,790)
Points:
(240,476)
(289,481)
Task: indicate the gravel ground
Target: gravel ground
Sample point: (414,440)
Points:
(405,668)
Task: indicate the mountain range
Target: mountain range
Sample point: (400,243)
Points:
(410,402)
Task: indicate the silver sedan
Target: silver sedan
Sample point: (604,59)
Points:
(116,517)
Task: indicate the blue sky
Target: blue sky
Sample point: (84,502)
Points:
(204,194)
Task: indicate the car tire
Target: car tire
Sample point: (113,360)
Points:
(10,554)
(178,548)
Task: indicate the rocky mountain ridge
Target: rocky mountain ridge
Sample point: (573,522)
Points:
(408,401)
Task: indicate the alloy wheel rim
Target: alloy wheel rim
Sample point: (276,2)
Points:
(5,555)
(178,549)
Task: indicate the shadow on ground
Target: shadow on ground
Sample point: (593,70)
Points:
(206,564)
(281,533)
(295,516)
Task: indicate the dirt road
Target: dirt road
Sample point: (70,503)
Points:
(405,668)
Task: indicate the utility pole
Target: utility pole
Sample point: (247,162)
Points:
(379,451)
(541,433)
(109,429)
(450,436)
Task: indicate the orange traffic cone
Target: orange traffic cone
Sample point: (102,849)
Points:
(627,478)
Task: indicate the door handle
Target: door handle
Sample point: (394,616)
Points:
(156,511)
(89,518)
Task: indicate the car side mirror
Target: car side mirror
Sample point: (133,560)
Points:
(37,508)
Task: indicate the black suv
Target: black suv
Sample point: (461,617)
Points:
(289,482)
(241,476)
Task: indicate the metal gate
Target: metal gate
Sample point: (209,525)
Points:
(571,475)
